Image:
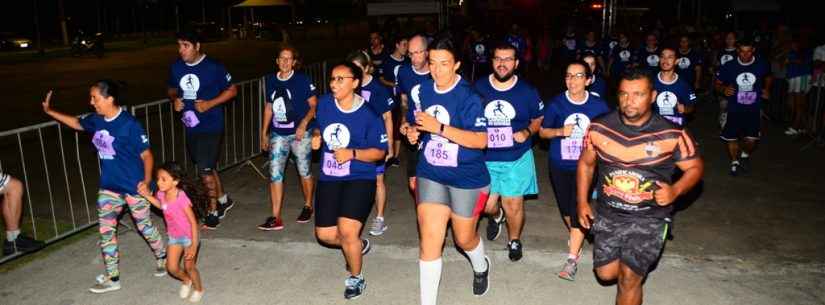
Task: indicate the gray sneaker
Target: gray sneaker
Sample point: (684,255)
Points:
(160,268)
(104,285)
(568,272)
(378,226)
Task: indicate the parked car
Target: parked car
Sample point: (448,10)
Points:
(10,41)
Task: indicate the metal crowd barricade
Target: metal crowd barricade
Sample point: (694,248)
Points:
(60,171)
(816,109)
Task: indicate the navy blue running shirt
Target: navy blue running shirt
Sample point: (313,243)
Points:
(669,95)
(565,151)
(357,128)
(119,143)
(289,104)
(508,111)
(203,80)
(440,159)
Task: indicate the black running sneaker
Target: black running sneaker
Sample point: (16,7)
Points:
(514,248)
(225,207)
(745,164)
(355,287)
(271,224)
(305,216)
(494,225)
(22,244)
(212,221)
(481,281)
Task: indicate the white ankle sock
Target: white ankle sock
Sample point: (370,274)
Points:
(430,275)
(223,199)
(477,257)
(12,235)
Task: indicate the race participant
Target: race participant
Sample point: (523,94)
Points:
(390,68)
(635,153)
(453,183)
(745,81)
(799,64)
(647,57)
(290,108)
(725,55)
(674,97)
(408,78)
(689,63)
(566,119)
(591,45)
(569,46)
(597,85)
(125,161)
(352,139)
(621,58)
(379,98)
(199,86)
(513,111)
(377,51)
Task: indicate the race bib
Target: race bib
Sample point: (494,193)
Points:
(277,124)
(674,119)
(104,144)
(666,111)
(571,149)
(441,153)
(332,168)
(746,97)
(190,119)
(499,137)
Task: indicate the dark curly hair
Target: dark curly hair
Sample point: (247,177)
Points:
(193,189)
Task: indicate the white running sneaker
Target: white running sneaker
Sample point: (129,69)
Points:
(196,296)
(185,289)
(160,268)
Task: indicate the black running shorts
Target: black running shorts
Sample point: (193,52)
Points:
(351,199)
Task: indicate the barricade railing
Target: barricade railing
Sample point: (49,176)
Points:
(816,109)
(60,172)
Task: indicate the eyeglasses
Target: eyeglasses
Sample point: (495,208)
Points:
(579,75)
(338,79)
(505,59)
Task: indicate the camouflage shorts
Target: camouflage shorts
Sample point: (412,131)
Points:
(635,242)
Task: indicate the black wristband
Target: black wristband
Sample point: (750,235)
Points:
(441,131)
(353,154)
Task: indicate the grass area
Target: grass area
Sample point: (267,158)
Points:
(45,232)
(25,259)
(63,51)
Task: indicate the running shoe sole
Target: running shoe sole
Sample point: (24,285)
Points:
(270,229)
(226,209)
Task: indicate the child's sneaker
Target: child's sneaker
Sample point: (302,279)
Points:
(196,296)
(104,285)
(185,289)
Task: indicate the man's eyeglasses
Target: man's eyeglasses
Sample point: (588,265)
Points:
(579,75)
(505,59)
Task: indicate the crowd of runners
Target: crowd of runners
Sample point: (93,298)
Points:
(464,119)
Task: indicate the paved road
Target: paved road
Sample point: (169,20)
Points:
(746,240)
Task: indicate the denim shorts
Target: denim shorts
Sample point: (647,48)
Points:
(182,241)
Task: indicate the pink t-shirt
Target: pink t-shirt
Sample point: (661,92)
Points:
(177,224)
